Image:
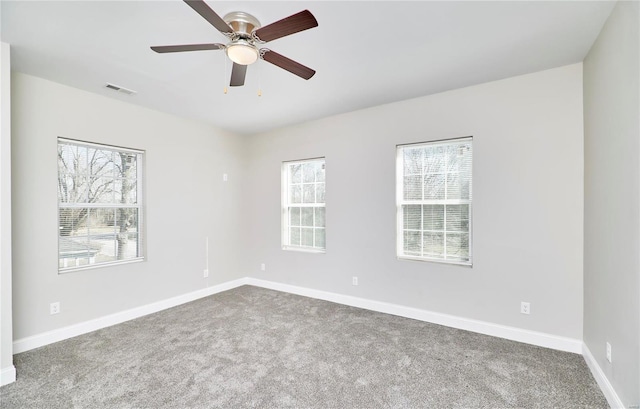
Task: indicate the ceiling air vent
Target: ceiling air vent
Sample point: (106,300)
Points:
(120,89)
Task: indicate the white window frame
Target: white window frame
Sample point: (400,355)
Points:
(400,201)
(139,206)
(286,207)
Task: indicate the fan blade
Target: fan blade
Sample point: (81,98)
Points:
(287,64)
(238,72)
(205,11)
(186,47)
(288,25)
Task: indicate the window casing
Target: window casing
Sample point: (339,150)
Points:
(434,201)
(303,205)
(100,205)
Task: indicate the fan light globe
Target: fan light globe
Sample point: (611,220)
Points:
(243,53)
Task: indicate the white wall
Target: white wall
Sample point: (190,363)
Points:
(612,200)
(7,370)
(186,200)
(528,203)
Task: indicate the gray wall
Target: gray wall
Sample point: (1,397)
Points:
(186,200)
(612,200)
(6,319)
(528,202)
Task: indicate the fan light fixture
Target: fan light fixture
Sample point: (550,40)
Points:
(242,52)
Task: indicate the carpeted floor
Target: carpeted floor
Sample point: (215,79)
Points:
(255,348)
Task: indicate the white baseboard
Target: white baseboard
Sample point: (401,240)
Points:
(36,341)
(612,397)
(7,375)
(482,327)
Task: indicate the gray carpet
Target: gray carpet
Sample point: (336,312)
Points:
(255,348)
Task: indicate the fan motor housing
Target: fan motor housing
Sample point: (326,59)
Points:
(242,23)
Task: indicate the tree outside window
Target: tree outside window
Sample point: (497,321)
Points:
(303,205)
(434,201)
(99,204)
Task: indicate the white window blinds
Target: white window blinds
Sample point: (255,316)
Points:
(303,205)
(100,198)
(434,201)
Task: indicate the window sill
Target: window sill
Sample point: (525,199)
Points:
(66,270)
(304,249)
(435,260)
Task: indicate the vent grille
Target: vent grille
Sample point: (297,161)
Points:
(120,89)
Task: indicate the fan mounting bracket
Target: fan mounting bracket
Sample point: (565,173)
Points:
(243,24)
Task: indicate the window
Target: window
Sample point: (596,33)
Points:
(303,207)
(99,205)
(433,201)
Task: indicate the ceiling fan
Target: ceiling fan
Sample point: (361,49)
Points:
(245,34)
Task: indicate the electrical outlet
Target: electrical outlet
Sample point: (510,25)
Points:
(525,308)
(263,267)
(354,280)
(609,352)
(54,308)
(206,273)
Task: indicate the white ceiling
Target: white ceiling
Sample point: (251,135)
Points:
(365,53)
